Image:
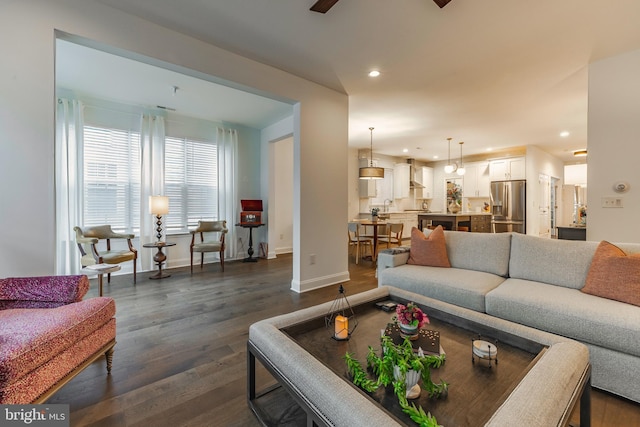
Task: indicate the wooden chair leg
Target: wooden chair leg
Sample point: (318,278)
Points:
(222,260)
(191,261)
(201,260)
(108,277)
(134,271)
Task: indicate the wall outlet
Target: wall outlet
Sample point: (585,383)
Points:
(312,259)
(612,202)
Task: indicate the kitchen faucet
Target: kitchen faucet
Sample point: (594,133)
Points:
(386,208)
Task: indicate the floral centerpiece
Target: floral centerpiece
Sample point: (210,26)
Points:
(454,197)
(410,318)
(374,211)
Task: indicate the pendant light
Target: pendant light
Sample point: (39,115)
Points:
(450,168)
(371,172)
(461,170)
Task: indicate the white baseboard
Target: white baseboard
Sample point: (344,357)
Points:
(319,282)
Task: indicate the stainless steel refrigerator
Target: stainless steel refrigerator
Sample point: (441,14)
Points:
(508,206)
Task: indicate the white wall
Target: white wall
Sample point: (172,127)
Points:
(540,162)
(282,224)
(614,147)
(27,123)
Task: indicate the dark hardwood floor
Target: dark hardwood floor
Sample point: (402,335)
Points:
(180,359)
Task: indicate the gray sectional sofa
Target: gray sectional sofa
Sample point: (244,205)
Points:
(534,282)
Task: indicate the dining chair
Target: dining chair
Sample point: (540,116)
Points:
(358,241)
(393,235)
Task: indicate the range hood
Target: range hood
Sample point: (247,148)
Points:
(415,181)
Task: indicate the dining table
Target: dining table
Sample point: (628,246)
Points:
(376,225)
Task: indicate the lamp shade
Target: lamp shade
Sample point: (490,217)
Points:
(371,172)
(158,205)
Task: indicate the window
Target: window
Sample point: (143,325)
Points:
(191,182)
(112,178)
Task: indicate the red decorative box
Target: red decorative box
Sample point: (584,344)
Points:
(251,212)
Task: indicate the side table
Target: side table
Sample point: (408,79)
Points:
(100,270)
(250,226)
(159,257)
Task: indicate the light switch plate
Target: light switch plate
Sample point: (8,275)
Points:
(612,202)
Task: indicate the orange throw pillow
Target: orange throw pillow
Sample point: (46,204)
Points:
(430,251)
(614,275)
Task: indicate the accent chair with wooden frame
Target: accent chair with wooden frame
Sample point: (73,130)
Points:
(87,239)
(206,229)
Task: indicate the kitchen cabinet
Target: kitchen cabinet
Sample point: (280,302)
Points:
(401,180)
(481,223)
(427,181)
(477,182)
(507,169)
(384,188)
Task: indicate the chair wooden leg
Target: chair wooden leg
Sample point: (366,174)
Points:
(201,260)
(108,277)
(222,260)
(191,262)
(134,271)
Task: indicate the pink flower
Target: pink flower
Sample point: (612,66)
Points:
(410,314)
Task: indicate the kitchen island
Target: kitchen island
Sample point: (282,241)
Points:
(478,222)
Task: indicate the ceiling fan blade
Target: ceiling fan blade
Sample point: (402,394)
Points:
(323,6)
(441,3)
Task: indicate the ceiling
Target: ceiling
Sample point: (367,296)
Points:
(493,73)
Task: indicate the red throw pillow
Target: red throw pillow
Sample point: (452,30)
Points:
(614,275)
(430,251)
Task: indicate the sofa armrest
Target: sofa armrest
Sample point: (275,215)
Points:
(389,258)
(47,289)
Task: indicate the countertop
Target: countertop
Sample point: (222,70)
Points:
(470,213)
(422,212)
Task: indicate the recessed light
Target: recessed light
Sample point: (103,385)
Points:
(564,134)
(374,73)
(435,157)
(489,149)
(405,150)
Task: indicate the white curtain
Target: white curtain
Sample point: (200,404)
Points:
(227,140)
(68,183)
(152,137)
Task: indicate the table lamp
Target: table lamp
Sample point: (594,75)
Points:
(158,206)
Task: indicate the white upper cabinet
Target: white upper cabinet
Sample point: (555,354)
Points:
(427,181)
(401,173)
(477,182)
(384,188)
(507,169)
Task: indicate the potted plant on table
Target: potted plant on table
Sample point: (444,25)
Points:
(401,366)
(410,319)
(374,214)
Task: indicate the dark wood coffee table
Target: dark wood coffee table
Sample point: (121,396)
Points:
(476,390)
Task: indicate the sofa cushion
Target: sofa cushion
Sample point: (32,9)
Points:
(30,337)
(52,291)
(486,252)
(558,262)
(428,250)
(614,275)
(465,288)
(568,312)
